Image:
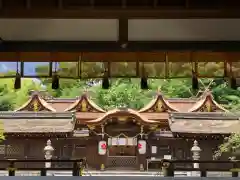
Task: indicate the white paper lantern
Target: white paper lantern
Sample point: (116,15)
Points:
(142,146)
(102,147)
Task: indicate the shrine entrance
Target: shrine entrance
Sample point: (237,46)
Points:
(121,130)
(122,153)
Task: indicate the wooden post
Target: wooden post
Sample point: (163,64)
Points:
(76,169)
(235,173)
(43,172)
(203,173)
(11,169)
(167,169)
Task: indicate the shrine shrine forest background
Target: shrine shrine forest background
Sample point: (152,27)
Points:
(123,91)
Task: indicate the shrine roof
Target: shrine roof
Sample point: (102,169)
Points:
(122,112)
(36,101)
(153,105)
(182,104)
(87,100)
(41,122)
(204,100)
(204,123)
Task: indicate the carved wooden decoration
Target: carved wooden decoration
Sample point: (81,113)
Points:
(36,106)
(91,127)
(153,127)
(209,106)
(122,118)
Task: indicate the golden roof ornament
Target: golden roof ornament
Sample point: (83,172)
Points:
(35,106)
(159,106)
(83,105)
(208,106)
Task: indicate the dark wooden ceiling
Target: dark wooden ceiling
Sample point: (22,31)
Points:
(119,8)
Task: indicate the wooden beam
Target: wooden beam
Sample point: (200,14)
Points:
(155,57)
(117,13)
(110,46)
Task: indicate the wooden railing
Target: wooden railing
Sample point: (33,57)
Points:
(168,167)
(76,169)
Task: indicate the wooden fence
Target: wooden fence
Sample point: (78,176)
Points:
(168,166)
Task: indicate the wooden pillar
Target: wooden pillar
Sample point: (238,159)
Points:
(123,30)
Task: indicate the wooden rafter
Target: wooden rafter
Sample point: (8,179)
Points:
(116,9)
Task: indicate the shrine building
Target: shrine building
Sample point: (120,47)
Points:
(119,138)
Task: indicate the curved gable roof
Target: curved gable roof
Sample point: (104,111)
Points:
(158,104)
(207,101)
(116,112)
(83,104)
(36,101)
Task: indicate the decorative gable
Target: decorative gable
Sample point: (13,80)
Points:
(207,104)
(158,104)
(84,104)
(36,104)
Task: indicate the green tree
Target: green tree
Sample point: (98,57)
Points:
(11,98)
(231,145)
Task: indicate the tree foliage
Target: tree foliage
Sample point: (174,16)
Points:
(230,144)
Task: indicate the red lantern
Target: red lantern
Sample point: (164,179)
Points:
(104,146)
(139,146)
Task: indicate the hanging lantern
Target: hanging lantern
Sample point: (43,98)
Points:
(102,147)
(142,146)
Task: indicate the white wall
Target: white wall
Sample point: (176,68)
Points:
(184,30)
(59,29)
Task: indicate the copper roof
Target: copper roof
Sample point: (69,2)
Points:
(205,123)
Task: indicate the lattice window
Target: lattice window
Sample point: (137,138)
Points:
(121,161)
(2,149)
(14,150)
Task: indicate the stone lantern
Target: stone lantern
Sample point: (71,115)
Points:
(196,154)
(48,150)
